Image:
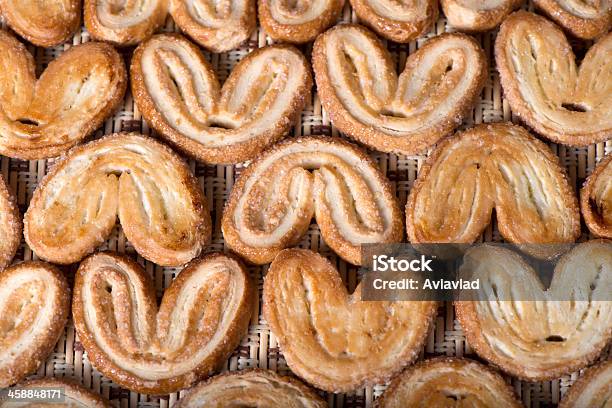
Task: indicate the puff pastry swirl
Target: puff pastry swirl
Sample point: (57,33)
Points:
(74,395)
(10,226)
(34,307)
(584,19)
(543,85)
(477,15)
(490,166)
(274,199)
(441,382)
(593,389)
(74,95)
(251,388)
(45,24)
(201,319)
(539,340)
(178,94)
(159,204)
(596,199)
(368,101)
(332,339)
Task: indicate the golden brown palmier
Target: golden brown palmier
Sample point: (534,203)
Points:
(74,95)
(34,307)
(366,100)
(202,317)
(218,27)
(443,381)
(593,389)
(334,340)
(45,24)
(596,199)
(534,333)
(583,19)
(71,394)
(251,388)
(126,22)
(491,166)
(275,198)
(476,15)
(546,89)
(158,201)
(179,95)
(10,226)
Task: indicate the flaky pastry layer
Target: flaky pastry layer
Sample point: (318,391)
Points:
(584,19)
(596,199)
(477,15)
(593,389)
(10,226)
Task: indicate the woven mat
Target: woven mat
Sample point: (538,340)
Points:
(260,348)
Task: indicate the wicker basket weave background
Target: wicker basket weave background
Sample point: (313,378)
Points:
(259,348)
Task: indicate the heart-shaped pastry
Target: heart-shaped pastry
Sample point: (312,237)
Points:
(399,21)
(533,333)
(202,317)
(72,394)
(218,27)
(476,15)
(178,94)
(124,22)
(34,307)
(489,166)
(332,339)
(251,388)
(441,382)
(584,19)
(274,199)
(10,226)
(366,100)
(45,24)
(596,199)
(546,89)
(298,22)
(158,201)
(74,95)
(593,389)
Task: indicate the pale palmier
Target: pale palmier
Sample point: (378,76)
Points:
(218,27)
(251,388)
(274,199)
(202,317)
(72,395)
(34,307)
(366,100)
(546,89)
(334,340)
(534,333)
(298,22)
(124,22)
(492,166)
(10,226)
(476,15)
(596,199)
(45,24)
(159,204)
(593,389)
(448,382)
(583,19)
(178,94)
(74,95)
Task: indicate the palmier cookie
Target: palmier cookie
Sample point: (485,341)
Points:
(34,307)
(179,95)
(470,15)
(274,199)
(545,88)
(72,394)
(218,27)
(596,199)
(593,389)
(124,23)
(201,319)
(332,339)
(367,101)
(10,226)
(538,340)
(45,24)
(298,23)
(587,20)
(251,388)
(491,166)
(443,381)
(158,201)
(74,95)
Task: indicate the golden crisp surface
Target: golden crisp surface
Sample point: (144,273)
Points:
(596,199)
(10,226)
